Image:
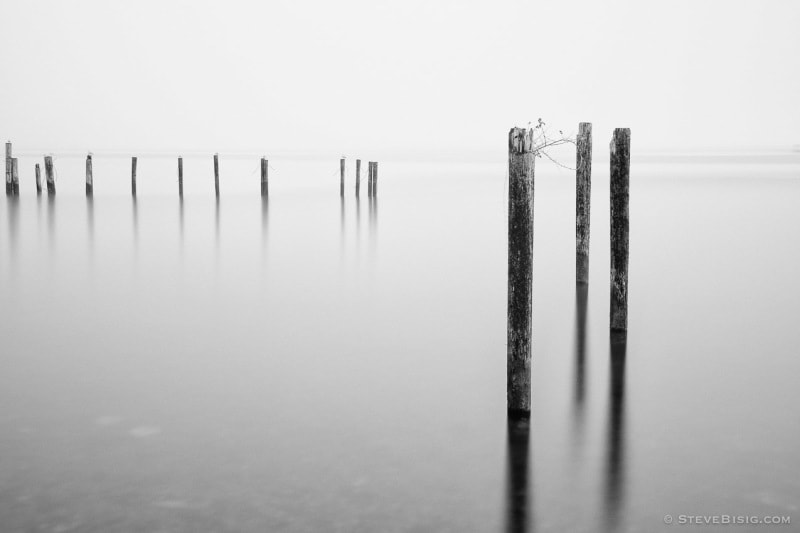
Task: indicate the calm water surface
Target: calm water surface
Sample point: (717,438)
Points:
(313,364)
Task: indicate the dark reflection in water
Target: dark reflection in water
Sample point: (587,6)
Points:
(264,222)
(341,221)
(90,222)
(135,207)
(615,459)
(581,300)
(373,223)
(12,203)
(180,220)
(51,222)
(519,510)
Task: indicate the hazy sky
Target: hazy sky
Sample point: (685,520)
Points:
(356,76)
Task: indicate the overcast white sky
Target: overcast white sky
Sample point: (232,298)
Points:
(350,76)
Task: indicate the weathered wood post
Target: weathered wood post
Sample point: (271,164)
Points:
(15,176)
(89,177)
(133,175)
(38,180)
(180,176)
(583,198)
(9,186)
(48,174)
(521,158)
(216,173)
(375,179)
(620,177)
(358,177)
(341,177)
(369,179)
(264,177)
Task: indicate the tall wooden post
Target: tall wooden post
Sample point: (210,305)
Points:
(14,176)
(341,177)
(521,157)
(38,180)
(133,175)
(216,174)
(9,185)
(358,177)
(620,177)
(180,176)
(89,177)
(583,195)
(48,173)
(264,177)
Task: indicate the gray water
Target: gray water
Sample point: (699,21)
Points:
(312,364)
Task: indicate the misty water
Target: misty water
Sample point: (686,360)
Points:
(309,363)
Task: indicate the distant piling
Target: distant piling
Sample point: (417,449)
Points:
(38,180)
(180,176)
(264,177)
(521,158)
(134,161)
(15,176)
(48,173)
(583,195)
(9,186)
(216,174)
(369,179)
(358,177)
(89,176)
(341,177)
(374,179)
(620,178)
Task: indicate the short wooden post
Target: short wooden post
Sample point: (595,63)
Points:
(375,179)
(9,185)
(583,195)
(38,180)
(216,173)
(358,177)
(180,176)
(133,175)
(521,158)
(89,177)
(15,176)
(369,180)
(341,177)
(264,177)
(620,177)
(48,174)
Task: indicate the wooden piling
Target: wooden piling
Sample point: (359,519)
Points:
(134,161)
(89,176)
(48,173)
(9,186)
(216,174)
(38,180)
(341,177)
(620,178)
(374,179)
(358,177)
(521,158)
(180,176)
(264,177)
(369,179)
(583,195)
(14,176)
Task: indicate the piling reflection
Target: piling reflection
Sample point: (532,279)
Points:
(519,510)
(216,226)
(180,222)
(615,458)
(12,207)
(373,223)
(581,300)
(51,222)
(135,212)
(264,222)
(90,221)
